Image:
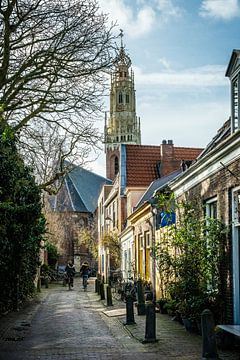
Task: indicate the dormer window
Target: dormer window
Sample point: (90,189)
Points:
(235,110)
(233,73)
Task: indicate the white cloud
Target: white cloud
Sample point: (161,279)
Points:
(205,76)
(222,9)
(135,22)
(139,17)
(168,9)
(164,62)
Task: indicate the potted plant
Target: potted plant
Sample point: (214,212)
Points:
(160,304)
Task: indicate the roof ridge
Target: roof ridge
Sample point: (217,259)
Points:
(77,191)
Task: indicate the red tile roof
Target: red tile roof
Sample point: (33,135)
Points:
(141,164)
(184,153)
(142,160)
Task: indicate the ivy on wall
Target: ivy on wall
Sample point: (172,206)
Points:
(22,226)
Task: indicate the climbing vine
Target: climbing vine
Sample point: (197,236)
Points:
(22,226)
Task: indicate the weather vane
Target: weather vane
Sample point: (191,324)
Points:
(121,35)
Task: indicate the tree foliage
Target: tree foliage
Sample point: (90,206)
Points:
(88,238)
(189,256)
(21,225)
(111,242)
(53,55)
(52,252)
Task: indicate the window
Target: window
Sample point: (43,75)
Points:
(114,215)
(116,165)
(236,207)
(211,212)
(127,98)
(147,236)
(211,208)
(120,98)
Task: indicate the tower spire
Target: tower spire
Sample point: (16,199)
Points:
(121,35)
(123,126)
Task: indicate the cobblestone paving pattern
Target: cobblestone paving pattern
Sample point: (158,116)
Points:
(71,325)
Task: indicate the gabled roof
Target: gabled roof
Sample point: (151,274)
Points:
(156,186)
(141,163)
(234,63)
(80,191)
(184,153)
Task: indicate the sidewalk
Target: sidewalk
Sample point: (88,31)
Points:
(77,325)
(174,342)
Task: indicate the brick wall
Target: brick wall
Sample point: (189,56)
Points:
(110,162)
(220,185)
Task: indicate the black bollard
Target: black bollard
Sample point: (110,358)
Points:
(99,281)
(102,293)
(140,298)
(150,328)
(208,336)
(46,282)
(109,296)
(129,311)
(96,286)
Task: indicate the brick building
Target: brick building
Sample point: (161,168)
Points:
(131,166)
(214,181)
(71,211)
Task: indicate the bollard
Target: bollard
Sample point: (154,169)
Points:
(129,311)
(102,293)
(96,286)
(208,336)
(150,327)
(99,282)
(46,282)
(140,298)
(109,296)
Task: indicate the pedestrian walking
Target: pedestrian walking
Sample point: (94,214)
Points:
(84,272)
(70,272)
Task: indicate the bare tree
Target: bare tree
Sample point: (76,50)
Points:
(53,56)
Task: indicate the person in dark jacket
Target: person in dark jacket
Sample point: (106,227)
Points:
(84,271)
(70,272)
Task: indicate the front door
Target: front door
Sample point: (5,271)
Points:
(236,254)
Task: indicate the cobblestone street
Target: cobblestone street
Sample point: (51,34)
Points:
(76,325)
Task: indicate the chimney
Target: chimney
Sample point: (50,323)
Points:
(166,150)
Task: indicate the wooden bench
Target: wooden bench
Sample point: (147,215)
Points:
(230,336)
(232,329)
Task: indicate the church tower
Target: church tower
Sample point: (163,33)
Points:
(122,126)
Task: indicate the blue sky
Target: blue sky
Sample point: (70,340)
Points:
(180,50)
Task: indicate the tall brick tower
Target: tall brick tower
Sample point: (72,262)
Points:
(122,126)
